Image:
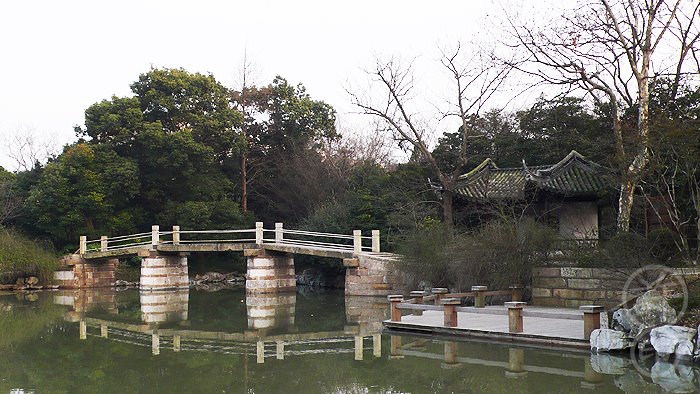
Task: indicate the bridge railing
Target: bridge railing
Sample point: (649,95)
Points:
(356,243)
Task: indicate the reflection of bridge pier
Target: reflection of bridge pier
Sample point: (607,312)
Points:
(83,301)
(164,306)
(270,310)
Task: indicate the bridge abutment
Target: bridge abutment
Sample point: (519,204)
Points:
(371,275)
(162,272)
(88,274)
(269,272)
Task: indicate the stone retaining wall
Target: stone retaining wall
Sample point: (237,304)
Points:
(572,287)
(88,275)
(372,276)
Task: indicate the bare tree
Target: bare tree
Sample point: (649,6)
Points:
(613,49)
(26,149)
(474,83)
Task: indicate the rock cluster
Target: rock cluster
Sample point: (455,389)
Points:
(29,283)
(217,277)
(648,323)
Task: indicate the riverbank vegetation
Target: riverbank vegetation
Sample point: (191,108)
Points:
(23,257)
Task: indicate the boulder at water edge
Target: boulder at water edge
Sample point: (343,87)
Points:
(651,310)
(673,340)
(605,339)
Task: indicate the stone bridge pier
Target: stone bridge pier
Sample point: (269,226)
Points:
(161,272)
(269,272)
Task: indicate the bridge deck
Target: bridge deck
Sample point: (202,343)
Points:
(222,247)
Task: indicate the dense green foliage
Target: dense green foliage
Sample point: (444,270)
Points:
(20,256)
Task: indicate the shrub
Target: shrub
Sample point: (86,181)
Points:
(21,257)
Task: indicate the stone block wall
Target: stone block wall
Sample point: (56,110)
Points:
(373,276)
(164,272)
(88,275)
(572,287)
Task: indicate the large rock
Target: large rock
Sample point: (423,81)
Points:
(609,364)
(673,340)
(651,310)
(674,378)
(605,339)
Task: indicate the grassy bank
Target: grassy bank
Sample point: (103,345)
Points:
(23,257)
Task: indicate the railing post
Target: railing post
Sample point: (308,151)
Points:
(515,316)
(438,292)
(259,233)
(83,244)
(591,319)
(516,293)
(479,298)
(279,233)
(103,243)
(155,235)
(357,241)
(417,296)
(176,235)
(395,299)
(450,305)
(375,241)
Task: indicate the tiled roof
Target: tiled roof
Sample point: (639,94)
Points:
(573,175)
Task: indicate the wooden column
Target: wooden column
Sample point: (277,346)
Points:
(479,298)
(450,305)
(591,319)
(515,316)
(438,292)
(395,311)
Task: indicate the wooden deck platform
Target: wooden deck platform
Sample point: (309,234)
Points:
(549,327)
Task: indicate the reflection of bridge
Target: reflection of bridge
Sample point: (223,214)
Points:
(269,253)
(265,312)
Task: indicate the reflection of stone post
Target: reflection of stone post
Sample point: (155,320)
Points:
(450,355)
(155,343)
(395,347)
(177,343)
(450,305)
(164,306)
(479,298)
(270,310)
(104,331)
(516,363)
(377,345)
(591,378)
(260,352)
(280,350)
(591,319)
(359,348)
(515,316)
(83,330)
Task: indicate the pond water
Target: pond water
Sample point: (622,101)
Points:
(199,341)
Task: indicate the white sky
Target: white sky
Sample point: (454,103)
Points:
(59,57)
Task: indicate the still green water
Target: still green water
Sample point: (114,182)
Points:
(107,341)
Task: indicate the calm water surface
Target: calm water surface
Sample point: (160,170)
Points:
(197,341)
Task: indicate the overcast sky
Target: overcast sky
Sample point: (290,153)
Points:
(59,57)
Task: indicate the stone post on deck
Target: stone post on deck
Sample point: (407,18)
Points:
(515,316)
(479,298)
(438,293)
(395,300)
(516,293)
(417,297)
(591,319)
(450,305)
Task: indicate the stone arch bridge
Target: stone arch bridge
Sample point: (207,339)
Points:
(269,252)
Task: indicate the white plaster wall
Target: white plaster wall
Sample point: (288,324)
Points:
(578,220)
